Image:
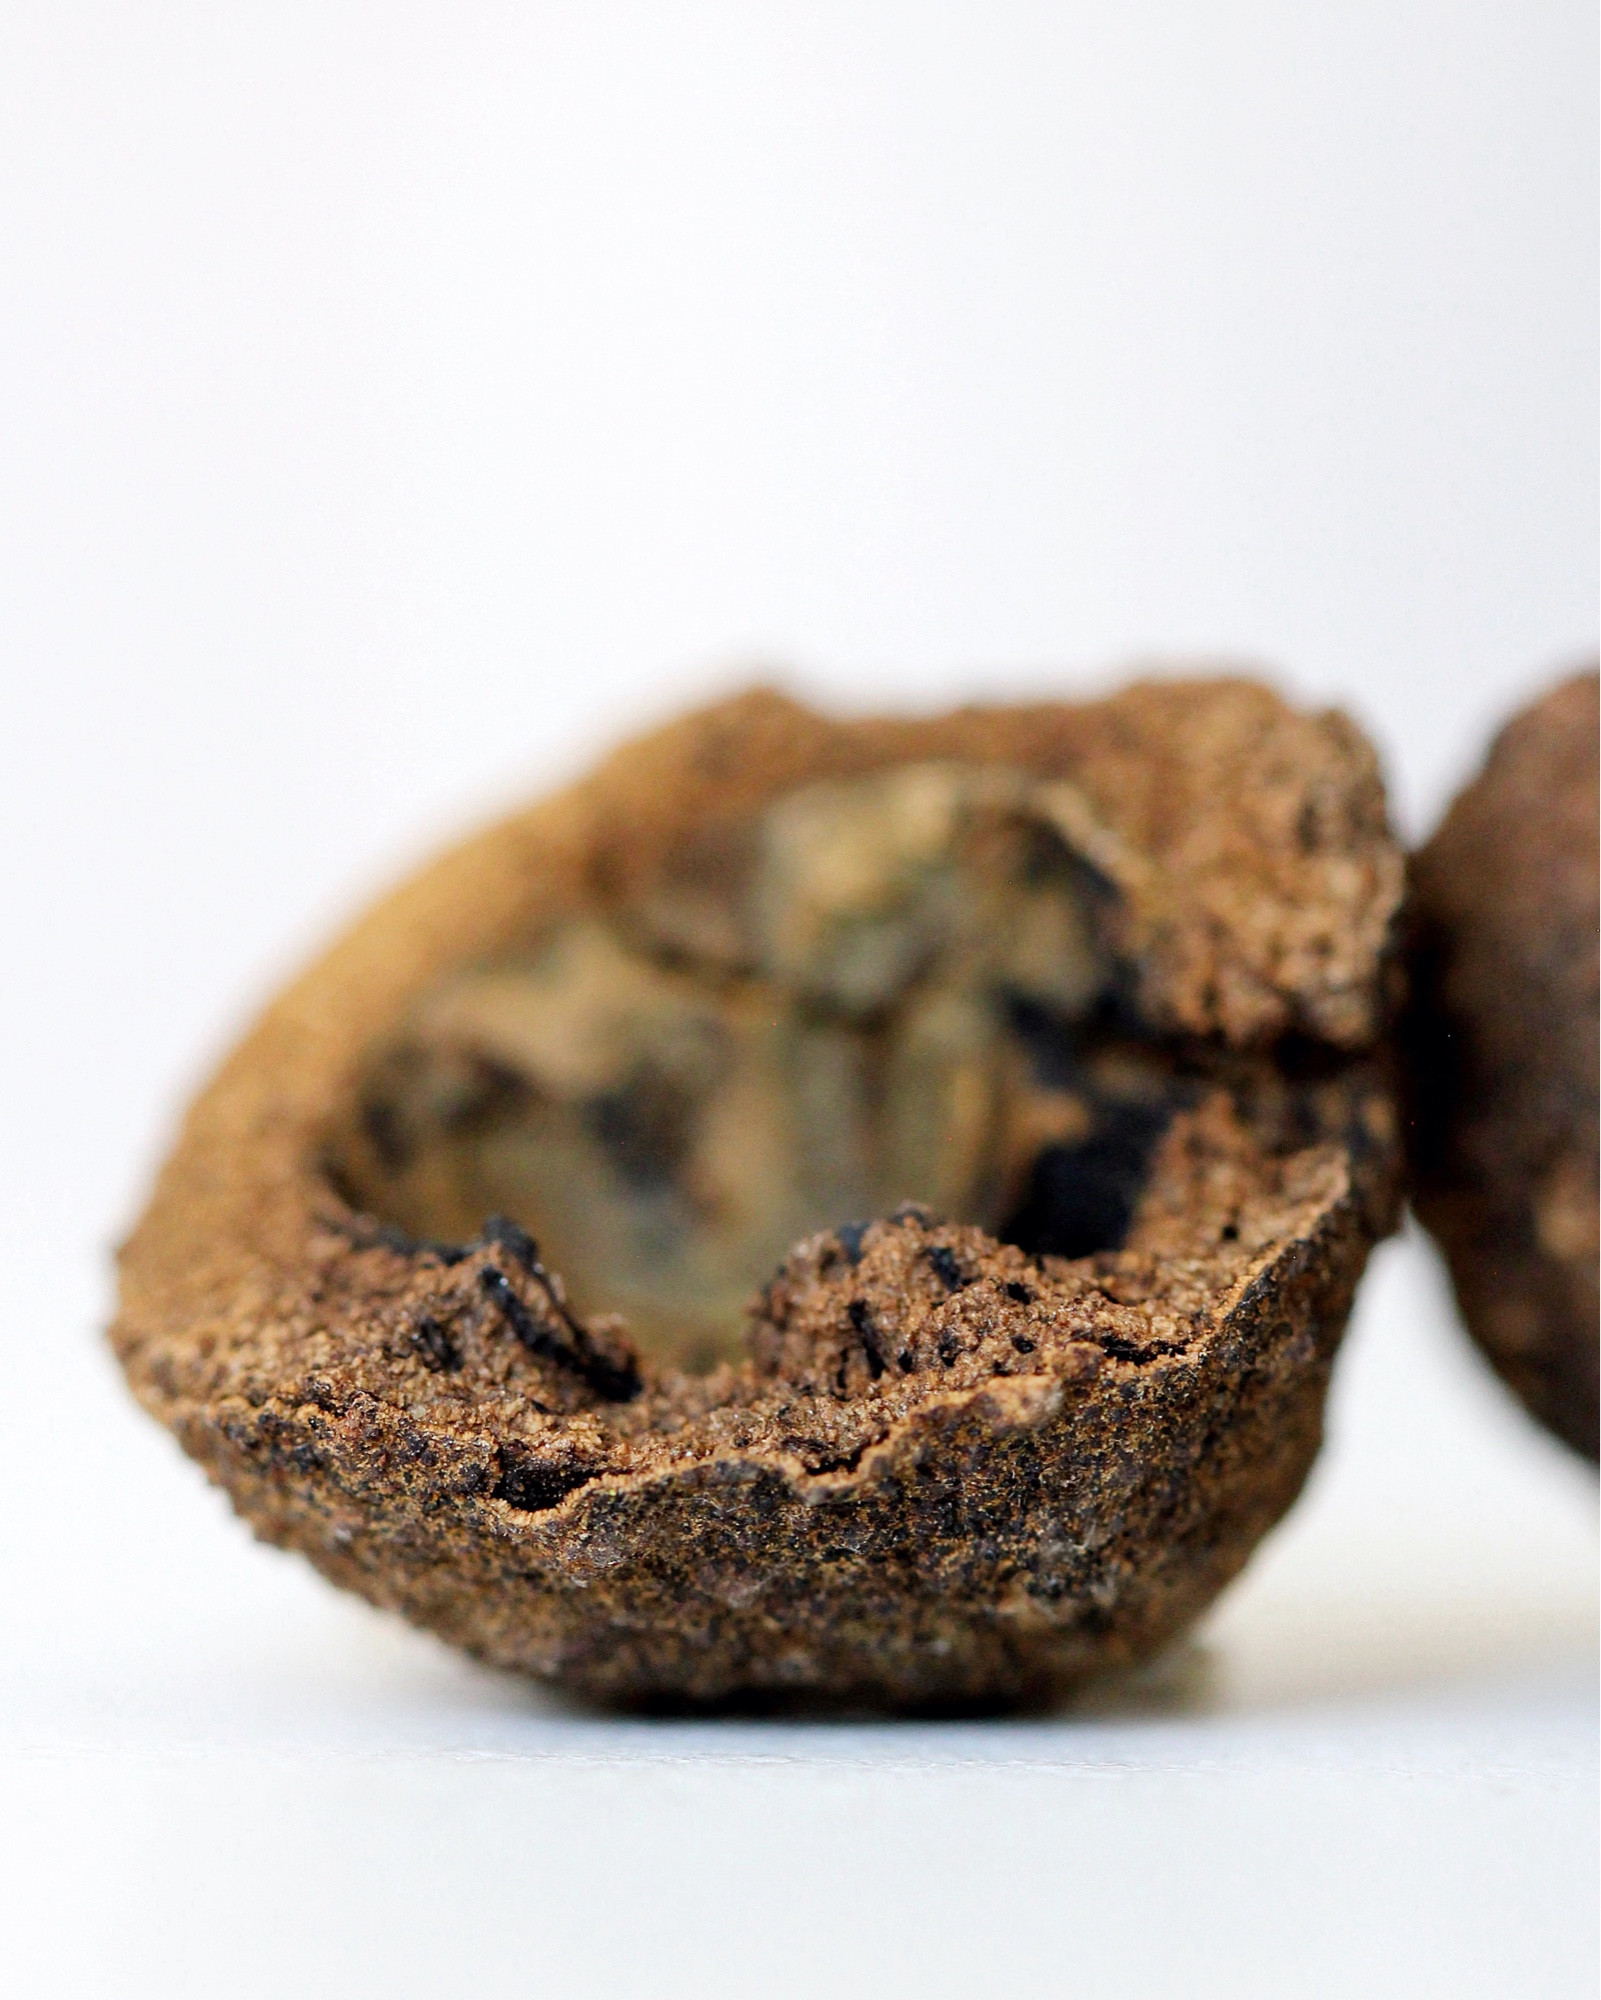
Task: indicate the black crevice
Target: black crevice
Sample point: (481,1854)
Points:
(434,1342)
(946,1267)
(537,1484)
(862,1319)
(1119,1349)
(1081,1199)
(568,1341)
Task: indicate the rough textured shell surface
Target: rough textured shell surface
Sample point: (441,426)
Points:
(1503,1057)
(947,1472)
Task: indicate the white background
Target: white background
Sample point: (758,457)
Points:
(397,405)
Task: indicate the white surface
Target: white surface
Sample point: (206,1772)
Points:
(398,404)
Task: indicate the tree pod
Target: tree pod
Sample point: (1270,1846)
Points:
(1501,1046)
(850,1210)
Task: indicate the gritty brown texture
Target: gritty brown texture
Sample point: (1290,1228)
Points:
(1502,1047)
(945,1471)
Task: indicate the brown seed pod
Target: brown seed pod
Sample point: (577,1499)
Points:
(1501,1043)
(1085,1005)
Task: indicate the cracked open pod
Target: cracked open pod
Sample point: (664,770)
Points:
(852,1209)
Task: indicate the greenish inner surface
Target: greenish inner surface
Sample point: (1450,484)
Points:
(845,1016)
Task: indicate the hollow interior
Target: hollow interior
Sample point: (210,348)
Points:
(886,989)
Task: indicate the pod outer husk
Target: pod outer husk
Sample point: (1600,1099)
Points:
(1081,1454)
(1502,1056)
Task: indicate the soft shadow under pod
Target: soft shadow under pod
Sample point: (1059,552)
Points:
(854,1209)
